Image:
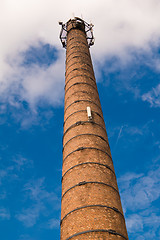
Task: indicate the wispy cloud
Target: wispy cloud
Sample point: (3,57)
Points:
(3,174)
(21,163)
(53,223)
(3,195)
(138,193)
(40,199)
(37,200)
(153,97)
(29,216)
(141,190)
(36,191)
(11,172)
(25,237)
(4,214)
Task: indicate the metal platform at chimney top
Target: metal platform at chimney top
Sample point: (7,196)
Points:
(77,23)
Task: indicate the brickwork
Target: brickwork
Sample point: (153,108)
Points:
(91,206)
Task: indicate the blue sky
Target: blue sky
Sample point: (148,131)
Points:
(126,59)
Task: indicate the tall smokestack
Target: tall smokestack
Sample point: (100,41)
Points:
(91,206)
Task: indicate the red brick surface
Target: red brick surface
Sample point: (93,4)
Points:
(91,206)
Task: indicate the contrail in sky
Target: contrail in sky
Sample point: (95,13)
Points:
(120,131)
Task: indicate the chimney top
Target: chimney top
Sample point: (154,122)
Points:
(76,23)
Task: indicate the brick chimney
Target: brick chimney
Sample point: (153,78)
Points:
(91,206)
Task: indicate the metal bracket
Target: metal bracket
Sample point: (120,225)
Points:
(88,31)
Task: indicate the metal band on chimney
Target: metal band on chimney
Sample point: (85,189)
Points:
(85,53)
(77,83)
(68,46)
(75,93)
(78,56)
(84,183)
(83,123)
(92,206)
(81,75)
(78,69)
(83,100)
(82,111)
(81,164)
(86,134)
(83,64)
(110,231)
(84,148)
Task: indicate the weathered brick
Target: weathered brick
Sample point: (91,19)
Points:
(91,206)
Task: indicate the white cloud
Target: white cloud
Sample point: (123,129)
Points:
(53,223)
(3,174)
(139,193)
(4,214)
(138,190)
(153,96)
(30,215)
(3,195)
(7,174)
(36,191)
(39,199)
(12,172)
(125,180)
(25,237)
(134,223)
(20,163)
(119,26)
(144,225)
